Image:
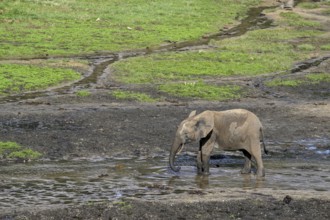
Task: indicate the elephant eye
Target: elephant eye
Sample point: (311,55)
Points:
(200,123)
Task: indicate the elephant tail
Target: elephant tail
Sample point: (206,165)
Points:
(262,140)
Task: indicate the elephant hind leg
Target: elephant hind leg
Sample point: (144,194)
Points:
(256,153)
(247,165)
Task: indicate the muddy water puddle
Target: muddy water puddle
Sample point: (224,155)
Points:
(50,183)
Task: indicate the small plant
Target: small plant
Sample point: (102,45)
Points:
(296,20)
(202,90)
(141,97)
(8,147)
(319,77)
(307,47)
(325,47)
(308,5)
(308,79)
(123,205)
(26,154)
(284,82)
(83,93)
(12,150)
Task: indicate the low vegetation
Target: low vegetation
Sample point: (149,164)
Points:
(256,52)
(40,28)
(83,93)
(43,29)
(306,80)
(201,90)
(12,150)
(136,96)
(16,78)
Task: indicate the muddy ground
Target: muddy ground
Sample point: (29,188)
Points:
(65,127)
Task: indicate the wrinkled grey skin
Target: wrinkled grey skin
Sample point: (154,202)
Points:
(236,129)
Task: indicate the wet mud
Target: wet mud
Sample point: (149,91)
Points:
(108,159)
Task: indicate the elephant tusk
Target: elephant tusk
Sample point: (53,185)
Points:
(180,149)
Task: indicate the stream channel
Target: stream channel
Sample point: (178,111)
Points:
(49,183)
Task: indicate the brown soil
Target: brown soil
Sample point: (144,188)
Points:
(63,127)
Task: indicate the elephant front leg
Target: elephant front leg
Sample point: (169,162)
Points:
(206,164)
(205,153)
(205,148)
(247,165)
(199,162)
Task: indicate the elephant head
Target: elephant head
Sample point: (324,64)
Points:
(194,128)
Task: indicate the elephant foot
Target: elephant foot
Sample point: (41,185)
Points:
(261,172)
(206,173)
(202,172)
(245,171)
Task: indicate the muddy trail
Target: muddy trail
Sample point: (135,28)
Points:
(108,159)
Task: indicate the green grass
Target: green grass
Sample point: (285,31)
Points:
(257,52)
(308,79)
(41,28)
(201,90)
(309,5)
(83,93)
(7,147)
(307,47)
(137,96)
(37,28)
(296,20)
(319,77)
(284,82)
(13,150)
(15,78)
(26,154)
(325,47)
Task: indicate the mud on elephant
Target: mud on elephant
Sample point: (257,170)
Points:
(230,130)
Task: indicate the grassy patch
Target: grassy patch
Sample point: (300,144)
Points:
(325,47)
(202,90)
(141,97)
(8,147)
(284,82)
(318,77)
(15,78)
(83,93)
(296,20)
(308,79)
(39,28)
(26,154)
(308,5)
(307,47)
(257,52)
(13,150)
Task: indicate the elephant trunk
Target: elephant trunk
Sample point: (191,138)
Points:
(177,145)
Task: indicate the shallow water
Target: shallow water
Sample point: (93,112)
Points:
(49,183)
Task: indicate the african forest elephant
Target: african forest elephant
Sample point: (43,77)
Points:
(236,129)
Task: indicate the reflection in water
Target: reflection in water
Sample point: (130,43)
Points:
(251,183)
(202,181)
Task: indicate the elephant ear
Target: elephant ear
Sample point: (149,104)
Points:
(204,125)
(193,113)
